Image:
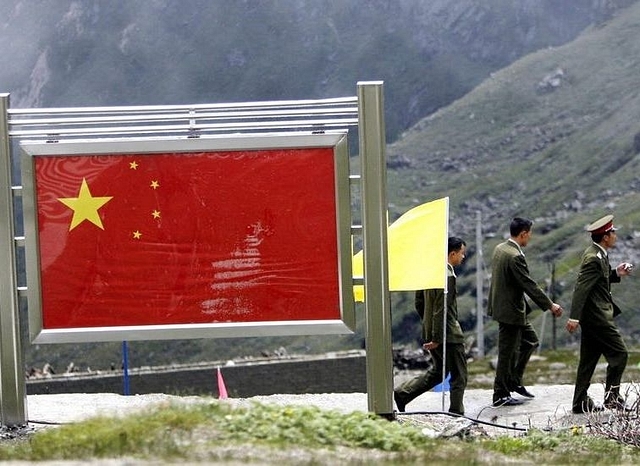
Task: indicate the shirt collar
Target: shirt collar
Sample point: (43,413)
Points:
(602,249)
(517,245)
(452,272)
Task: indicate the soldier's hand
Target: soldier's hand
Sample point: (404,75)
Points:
(624,268)
(572,325)
(431,345)
(556,309)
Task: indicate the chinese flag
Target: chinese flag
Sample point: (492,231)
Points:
(180,238)
(417,244)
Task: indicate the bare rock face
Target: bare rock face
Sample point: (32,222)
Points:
(429,53)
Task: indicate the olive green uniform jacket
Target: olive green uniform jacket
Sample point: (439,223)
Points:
(591,303)
(430,305)
(510,281)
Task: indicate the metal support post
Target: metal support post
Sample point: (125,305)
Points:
(479,287)
(12,381)
(374,221)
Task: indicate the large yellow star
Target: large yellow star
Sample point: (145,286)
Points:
(85,206)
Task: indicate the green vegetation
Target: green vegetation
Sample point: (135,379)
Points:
(268,434)
(568,447)
(179,431)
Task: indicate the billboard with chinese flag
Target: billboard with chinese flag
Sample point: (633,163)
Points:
(188,238)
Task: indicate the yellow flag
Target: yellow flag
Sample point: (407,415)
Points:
(417,248)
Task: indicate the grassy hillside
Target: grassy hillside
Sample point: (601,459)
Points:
(551,137)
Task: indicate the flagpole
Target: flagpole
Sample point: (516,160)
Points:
(444,343)
(125,369)
(444,303)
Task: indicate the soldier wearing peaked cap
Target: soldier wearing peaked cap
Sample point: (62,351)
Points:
(593,310)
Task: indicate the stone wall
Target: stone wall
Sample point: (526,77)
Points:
(344,374)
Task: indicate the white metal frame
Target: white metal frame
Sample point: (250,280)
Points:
(336,140)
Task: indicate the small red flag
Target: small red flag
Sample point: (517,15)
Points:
(222,388)
(177,238)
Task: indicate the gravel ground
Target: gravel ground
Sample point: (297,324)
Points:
(550,409)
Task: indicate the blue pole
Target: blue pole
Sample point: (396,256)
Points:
(125,367)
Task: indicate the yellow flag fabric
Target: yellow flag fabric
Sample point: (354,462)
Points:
(417,248)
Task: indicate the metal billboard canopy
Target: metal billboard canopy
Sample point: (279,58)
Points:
(181,120)
(363,112)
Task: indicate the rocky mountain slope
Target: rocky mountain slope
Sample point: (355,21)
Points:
(93,53)
(553,137)
(550,137)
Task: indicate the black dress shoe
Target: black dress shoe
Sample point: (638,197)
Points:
(507,401)
(587,407)
(521,390)
(399,403)
(616,403)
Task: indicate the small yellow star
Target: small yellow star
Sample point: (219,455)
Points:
(156,214)
(155,184)
(85,206)
(137,234)
(133,165)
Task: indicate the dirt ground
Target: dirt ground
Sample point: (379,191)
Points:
(549,410)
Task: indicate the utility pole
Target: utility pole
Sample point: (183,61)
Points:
(479,287)
(552,295)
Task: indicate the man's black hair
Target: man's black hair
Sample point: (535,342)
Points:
(455,244)
(597,237)
(518,225)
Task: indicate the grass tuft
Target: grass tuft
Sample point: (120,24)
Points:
(272,434)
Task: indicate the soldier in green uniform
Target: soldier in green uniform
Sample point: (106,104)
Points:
(593,310)
(430,305)
(517,339)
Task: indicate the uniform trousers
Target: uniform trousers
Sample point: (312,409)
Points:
(456,366)
(516,344)
(595,342)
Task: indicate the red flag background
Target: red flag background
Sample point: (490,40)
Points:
(224,236)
